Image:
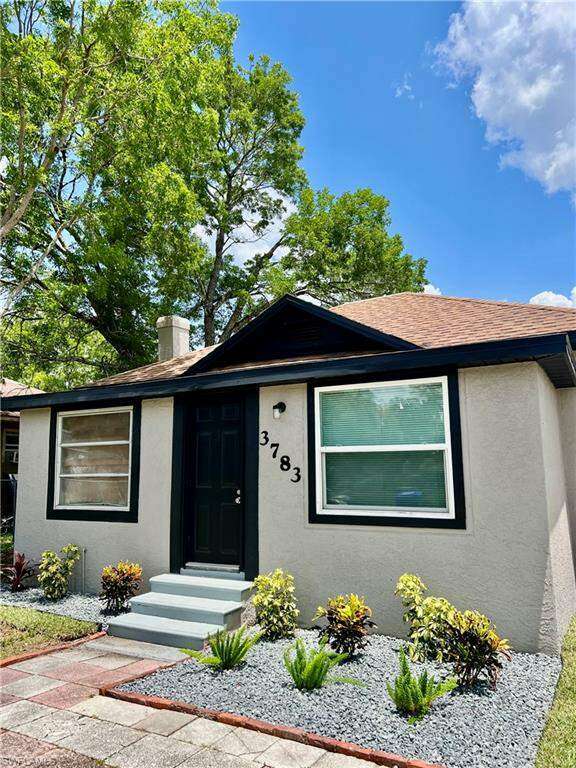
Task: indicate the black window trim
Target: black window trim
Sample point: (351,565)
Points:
(457,522)
(94,515)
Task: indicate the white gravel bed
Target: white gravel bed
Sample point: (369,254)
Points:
(82,607)
(481,729)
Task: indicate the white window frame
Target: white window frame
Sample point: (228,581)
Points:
(447,513)
(59,445)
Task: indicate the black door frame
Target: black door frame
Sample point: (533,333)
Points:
(180,456)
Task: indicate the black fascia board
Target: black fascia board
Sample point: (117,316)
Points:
(482,353)
(312,309)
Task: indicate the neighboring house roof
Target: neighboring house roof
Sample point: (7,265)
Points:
(11,388)
(445,321)
(426,320)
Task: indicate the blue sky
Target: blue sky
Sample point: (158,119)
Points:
(380,114)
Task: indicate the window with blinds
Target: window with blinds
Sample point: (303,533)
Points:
(384,449)
(93,457)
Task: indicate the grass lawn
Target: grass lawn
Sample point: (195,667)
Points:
(23,630)
(558,744)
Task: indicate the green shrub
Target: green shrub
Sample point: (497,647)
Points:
(119,583)
(229,649)
(348,620)
(275,604)
(310,669)
(414,695)
(474,648)
(426,616)
(54,571)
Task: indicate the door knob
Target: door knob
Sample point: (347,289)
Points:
(238,498)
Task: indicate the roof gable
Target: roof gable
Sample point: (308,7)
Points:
(292,328)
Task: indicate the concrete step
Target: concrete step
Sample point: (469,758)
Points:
(160,630)
(184,608)
(211,573)
(201,586)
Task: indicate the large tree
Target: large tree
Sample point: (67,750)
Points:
(147,172)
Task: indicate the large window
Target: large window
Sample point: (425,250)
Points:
(383,449)
(93,459)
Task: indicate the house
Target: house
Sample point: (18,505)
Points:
(9,431)
(401,433)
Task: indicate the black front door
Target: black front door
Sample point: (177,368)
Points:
(216,485)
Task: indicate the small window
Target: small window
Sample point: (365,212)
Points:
(383,449)
(93,460)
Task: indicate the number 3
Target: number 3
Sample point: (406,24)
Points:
(297,476)
(265,439)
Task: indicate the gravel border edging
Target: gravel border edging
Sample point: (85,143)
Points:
(377,756)
(74,605)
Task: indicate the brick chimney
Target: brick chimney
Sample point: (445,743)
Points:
(173,336)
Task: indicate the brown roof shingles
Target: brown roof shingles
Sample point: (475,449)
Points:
(426,320)
(445,321)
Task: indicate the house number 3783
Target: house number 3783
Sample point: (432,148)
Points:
(285,463)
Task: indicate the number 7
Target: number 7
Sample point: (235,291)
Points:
(274,447)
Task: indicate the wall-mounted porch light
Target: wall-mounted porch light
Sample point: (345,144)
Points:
(278,410)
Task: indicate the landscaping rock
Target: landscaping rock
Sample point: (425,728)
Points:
(477,729)
(82,607)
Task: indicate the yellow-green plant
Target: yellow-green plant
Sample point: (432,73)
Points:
(414,695)
(54,571)
(427,618)
(348,619)
(119,583)
(275,604)
(474,648)
(310,669)
(229,649)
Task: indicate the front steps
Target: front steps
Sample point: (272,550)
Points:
(181,610)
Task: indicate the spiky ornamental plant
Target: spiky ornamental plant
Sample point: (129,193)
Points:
(310,669)
(18,572)
(229,649)
(414,695)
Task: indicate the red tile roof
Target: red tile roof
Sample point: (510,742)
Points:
(425,320)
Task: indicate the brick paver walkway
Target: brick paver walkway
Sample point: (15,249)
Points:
(51,716)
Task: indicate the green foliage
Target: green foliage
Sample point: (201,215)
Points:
(348,620)
(119,583)
(54,571)
(413,696)
(229,649)
(310,669)
(426,616)
(557,748)
(474,648)
(25,630)
(144,165)
(275,604)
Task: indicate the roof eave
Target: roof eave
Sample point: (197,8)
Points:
(554,347)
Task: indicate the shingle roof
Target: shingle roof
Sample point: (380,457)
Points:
(446,321)
(164,370)
(11,388)
(426,320)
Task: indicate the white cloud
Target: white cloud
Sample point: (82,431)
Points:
(519,57)
(551,299)
(432,290)
(404,89)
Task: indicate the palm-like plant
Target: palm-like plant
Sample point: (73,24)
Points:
(310,669)
(229,649)
(414,695)
(19,571)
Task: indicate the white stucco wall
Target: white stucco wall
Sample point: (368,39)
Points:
(508,563)
(567,409)
(146,542)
